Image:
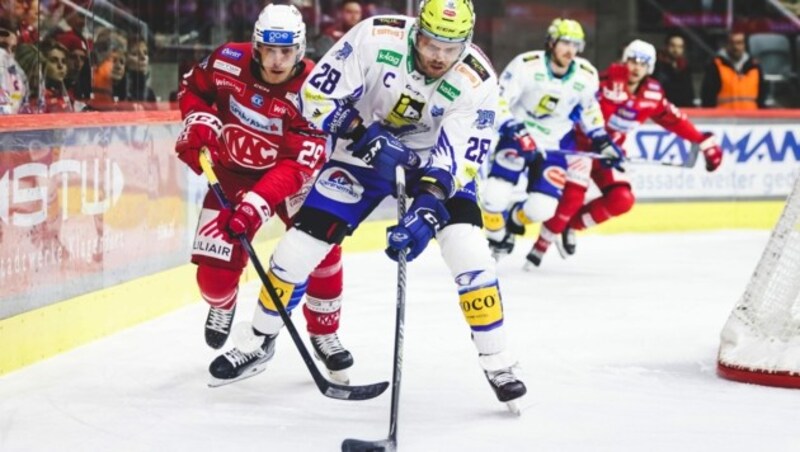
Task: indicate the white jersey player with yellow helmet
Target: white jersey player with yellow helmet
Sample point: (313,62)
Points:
(397,90)
(544,94)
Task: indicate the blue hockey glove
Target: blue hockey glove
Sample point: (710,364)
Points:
(611,153)
(514,135)
(380,149)
(425,216)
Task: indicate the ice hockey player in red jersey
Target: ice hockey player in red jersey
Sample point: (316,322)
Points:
(628,96)
(241,104)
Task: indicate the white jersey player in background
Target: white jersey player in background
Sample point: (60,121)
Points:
(412,91)
(543,95)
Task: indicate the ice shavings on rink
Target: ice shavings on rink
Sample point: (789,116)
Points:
(617,346)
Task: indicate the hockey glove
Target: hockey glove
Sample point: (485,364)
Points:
(611,153)
(711,152)
(200,130)
(380,149)
(246,218)
(514,135)
(425,216)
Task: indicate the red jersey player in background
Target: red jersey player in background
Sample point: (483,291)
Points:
(628,96)
(241,104)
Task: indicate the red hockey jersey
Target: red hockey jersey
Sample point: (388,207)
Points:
(624,111)
(263,134)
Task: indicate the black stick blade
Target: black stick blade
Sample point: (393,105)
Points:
(342,392)
(357,445)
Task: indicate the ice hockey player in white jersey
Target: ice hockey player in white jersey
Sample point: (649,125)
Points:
(543,95)
(411,91)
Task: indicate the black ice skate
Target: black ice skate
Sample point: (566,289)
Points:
(336,358)
(218,326)
(533,259)
(507,387)
(566,246)
(503,247)
(235,365)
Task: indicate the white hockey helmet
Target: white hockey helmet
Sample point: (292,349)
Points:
(641,51)
(280,25)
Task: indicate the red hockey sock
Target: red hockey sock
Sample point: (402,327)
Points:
(324,294)
(570,203)
(218,286)
(614,202)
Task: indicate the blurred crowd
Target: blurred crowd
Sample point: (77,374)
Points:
(67,55)
(57,58)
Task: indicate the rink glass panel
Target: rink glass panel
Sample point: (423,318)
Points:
(87,208)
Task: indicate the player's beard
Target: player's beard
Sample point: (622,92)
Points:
(432,68)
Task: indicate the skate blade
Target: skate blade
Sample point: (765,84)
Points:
(562,251)
(529,266)
(215,382)
(339,376)
(513,407)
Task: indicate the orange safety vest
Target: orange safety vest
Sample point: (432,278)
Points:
(737,91)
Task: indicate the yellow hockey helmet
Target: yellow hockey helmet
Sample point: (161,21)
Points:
(566,30)
(447,20)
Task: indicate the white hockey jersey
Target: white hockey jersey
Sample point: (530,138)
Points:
(13,84)
(550,106)
(451,119)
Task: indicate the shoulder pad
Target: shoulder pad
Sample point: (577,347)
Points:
(588,68)
(473,63)
(531,57)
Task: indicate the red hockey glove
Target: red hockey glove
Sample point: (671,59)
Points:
(246,218)
(711,151)
(199,129)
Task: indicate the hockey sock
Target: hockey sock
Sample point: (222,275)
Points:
(289,294)
(616,201)
(546,237)
(570,203)
(218,286)
(324,295)
(481,306)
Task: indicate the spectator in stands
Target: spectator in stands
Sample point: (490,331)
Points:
(137,74)
(377,7)
(79,75)
(349,14)
(672,70)
(108,84)
(30,60)
(734,80)
(56,97)
(13,82)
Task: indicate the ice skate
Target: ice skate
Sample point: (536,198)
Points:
(329,350)
(218,326)
(566,246)
(533,259)
(507,387)
(235,364)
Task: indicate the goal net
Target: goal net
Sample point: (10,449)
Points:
(760,342)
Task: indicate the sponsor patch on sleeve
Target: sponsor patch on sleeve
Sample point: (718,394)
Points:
(389,22)
(476,66)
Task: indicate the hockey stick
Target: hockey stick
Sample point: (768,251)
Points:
(690,161)
(326,387)
(390,444)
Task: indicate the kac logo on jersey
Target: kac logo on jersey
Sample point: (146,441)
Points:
(338,184)
(257,100)
(344,52)
(248,149)
(485,119)
(232,54)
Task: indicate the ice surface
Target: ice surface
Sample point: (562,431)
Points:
(618,349)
